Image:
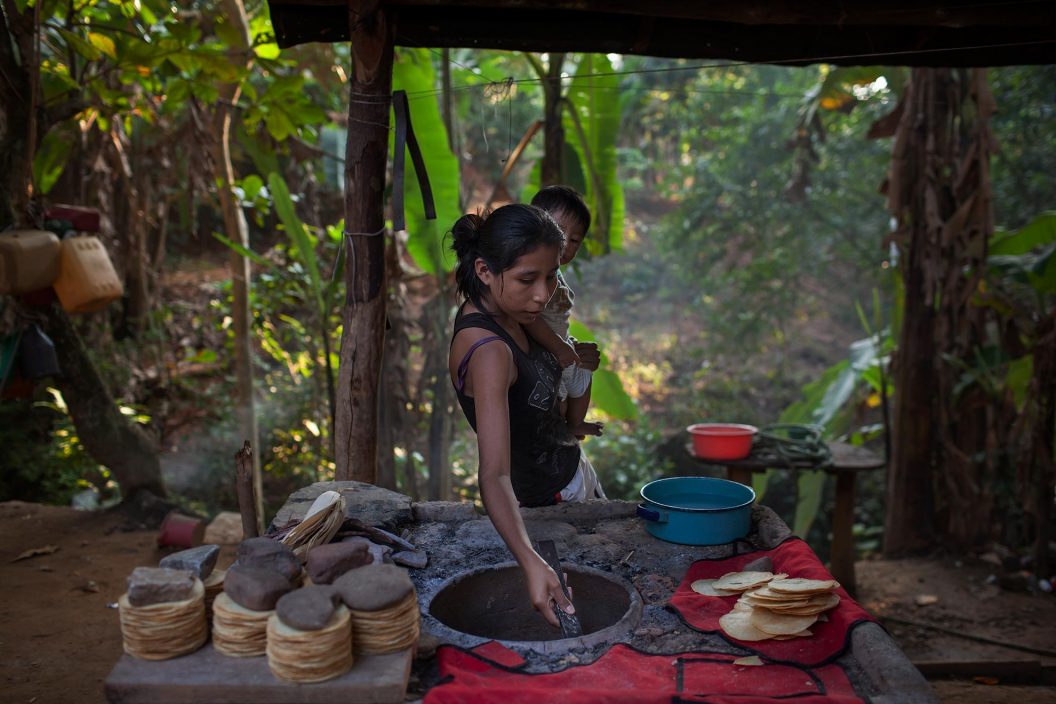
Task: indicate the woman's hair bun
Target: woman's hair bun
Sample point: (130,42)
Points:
(466,232)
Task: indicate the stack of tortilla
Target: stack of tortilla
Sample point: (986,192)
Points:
(771,606)
(214,586)
(237,631)
(384,608)
(164,630)
(310,656)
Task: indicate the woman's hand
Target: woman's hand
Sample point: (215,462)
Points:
(589,355)
(544,588)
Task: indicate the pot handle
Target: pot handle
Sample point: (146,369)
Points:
(649,514)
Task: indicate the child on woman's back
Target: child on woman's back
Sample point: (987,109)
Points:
(567,208)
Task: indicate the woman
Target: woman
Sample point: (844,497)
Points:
(507,383)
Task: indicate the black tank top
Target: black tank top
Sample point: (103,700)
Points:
(544,455)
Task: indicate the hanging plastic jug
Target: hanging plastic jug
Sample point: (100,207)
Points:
(87,281)
(29,260)
(36,354)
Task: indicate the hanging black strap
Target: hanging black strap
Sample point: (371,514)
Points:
(405,139)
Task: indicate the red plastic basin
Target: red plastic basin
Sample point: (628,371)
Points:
(722,441)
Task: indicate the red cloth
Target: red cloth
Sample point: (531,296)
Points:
(829,640)
(626,676)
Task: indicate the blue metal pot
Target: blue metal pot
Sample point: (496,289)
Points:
(697,510)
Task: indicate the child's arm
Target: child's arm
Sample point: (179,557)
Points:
(541,333)
(491,374)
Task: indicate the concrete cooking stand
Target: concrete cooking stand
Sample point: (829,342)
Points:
(605,536)
(602,536)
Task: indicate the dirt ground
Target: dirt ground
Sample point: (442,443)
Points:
(59,633)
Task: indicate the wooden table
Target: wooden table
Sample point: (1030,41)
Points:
(847,462)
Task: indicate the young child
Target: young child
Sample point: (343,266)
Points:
(567,208)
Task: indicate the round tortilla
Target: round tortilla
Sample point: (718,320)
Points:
(738,624)
(799,585)
(740,581)
(780,624)
(707,588)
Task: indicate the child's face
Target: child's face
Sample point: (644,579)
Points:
(522,291)
(574,234)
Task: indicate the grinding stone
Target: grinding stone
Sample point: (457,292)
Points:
(308,609)
(255,589)
(374,587)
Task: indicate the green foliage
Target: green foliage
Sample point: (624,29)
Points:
(753,227)
(606,393)
(43,460)
(413,72)
(592,122)
(625,457)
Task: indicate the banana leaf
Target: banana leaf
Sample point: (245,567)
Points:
(413,72)
(606,391)
(592,123)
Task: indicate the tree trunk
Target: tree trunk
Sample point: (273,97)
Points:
(110,438)
(437,313)
(237,230)
(364,316)
(939,193)
(553,130)
(14,117)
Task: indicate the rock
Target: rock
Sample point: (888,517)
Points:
(307,609)
(582,512)
(380,553)
(374,587)
(443,511)
(328,562)
(427,645)
(254,588)
(654,588)
(370,504)
(157,585)
(649,632)
(268,554)
(415,560)
(224,529)
(200,560)
(478,535)
(770,531)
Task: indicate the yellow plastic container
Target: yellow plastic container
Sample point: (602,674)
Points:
(29,260)
(87,281)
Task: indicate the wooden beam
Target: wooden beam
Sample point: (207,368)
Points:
(895,13)
(520,29)
(366,156)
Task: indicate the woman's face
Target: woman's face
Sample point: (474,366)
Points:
(522,291)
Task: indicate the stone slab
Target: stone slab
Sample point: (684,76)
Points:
(371,504)
(208,676)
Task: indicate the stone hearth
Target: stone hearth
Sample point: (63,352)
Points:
(603,537)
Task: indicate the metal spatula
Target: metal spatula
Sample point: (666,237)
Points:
(570,626)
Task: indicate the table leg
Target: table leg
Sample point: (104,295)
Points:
(741,475)
(841,560)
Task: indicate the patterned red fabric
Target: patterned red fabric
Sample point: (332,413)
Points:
(626,676)
(829,640)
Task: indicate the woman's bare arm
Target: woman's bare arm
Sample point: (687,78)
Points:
(491,372)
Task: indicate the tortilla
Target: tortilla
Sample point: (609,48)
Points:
(741,581)
(707,588)
(779,624)
(738,624)
(799,585)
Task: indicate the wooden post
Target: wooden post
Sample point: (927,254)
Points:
(245,487)
(356,447)
(553,130)
(841,556)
